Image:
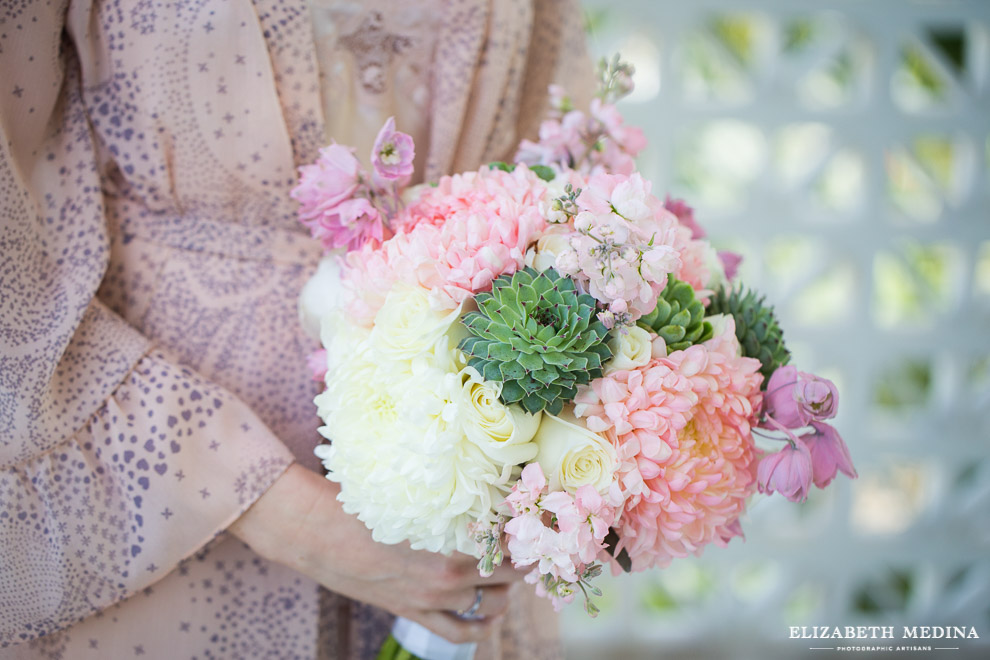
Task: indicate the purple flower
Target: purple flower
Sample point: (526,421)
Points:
(393,153)
(829,454)
(685,215)
(730,262)
(787,472)
(795,398)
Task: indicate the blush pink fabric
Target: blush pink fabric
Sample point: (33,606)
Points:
(153,378)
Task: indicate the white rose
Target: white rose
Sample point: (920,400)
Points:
(549,246)
(504,433)
(572,456)
(631,347)
(407,325)
(320,295)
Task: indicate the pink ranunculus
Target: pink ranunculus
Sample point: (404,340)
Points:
(393,153)
(794,398)
(788,472)
(829,454)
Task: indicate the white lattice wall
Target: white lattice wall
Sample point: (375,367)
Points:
(843,147)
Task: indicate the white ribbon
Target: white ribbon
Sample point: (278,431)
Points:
(427,644)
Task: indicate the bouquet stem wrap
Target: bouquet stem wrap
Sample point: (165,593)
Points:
(410,641)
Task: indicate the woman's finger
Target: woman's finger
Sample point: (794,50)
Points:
(455,629)
(494,601)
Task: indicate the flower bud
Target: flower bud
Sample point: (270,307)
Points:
(787,471)
(795,398)
(829,454)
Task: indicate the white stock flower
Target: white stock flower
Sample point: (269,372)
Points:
(407,325)
(631,347)
(504,433)
(572,456)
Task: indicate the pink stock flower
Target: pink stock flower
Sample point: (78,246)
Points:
(598,142)
(622,248)
(350,224)
(527,491)
(680,425)
(326,183)
(787,472)
(795,398)
(685,215)
(829,454)
(330,202)
(393,153)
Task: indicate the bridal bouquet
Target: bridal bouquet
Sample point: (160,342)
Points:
(546,359)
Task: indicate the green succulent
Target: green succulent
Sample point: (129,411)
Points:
(679,317)
(538,336)
(756,328)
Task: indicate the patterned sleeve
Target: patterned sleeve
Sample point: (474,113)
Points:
(115,463)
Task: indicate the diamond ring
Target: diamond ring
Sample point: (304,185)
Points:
(472,612)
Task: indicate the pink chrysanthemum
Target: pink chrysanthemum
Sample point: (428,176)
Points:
(454,240)
(681,428)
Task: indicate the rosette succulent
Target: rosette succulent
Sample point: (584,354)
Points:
(757,330)
(538,336)
(679,317)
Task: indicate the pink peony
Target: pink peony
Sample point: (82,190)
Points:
(829,454)
(794,398)
(681,428)
(393,153)
(454,240)
(787,472)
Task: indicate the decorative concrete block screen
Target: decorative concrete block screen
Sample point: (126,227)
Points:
(843,148)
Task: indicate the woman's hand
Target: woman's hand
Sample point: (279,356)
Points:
(299,522)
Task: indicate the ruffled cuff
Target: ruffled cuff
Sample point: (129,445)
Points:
(164,466)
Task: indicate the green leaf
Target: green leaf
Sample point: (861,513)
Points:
(545,376)
(512,391)
(544,172)
(500,352)
(558,359)
(682,317)
(491,372)
(501,332)
(512,371)
(671,333)
(530,362)
(532,403)
(546,333)
(499,165)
